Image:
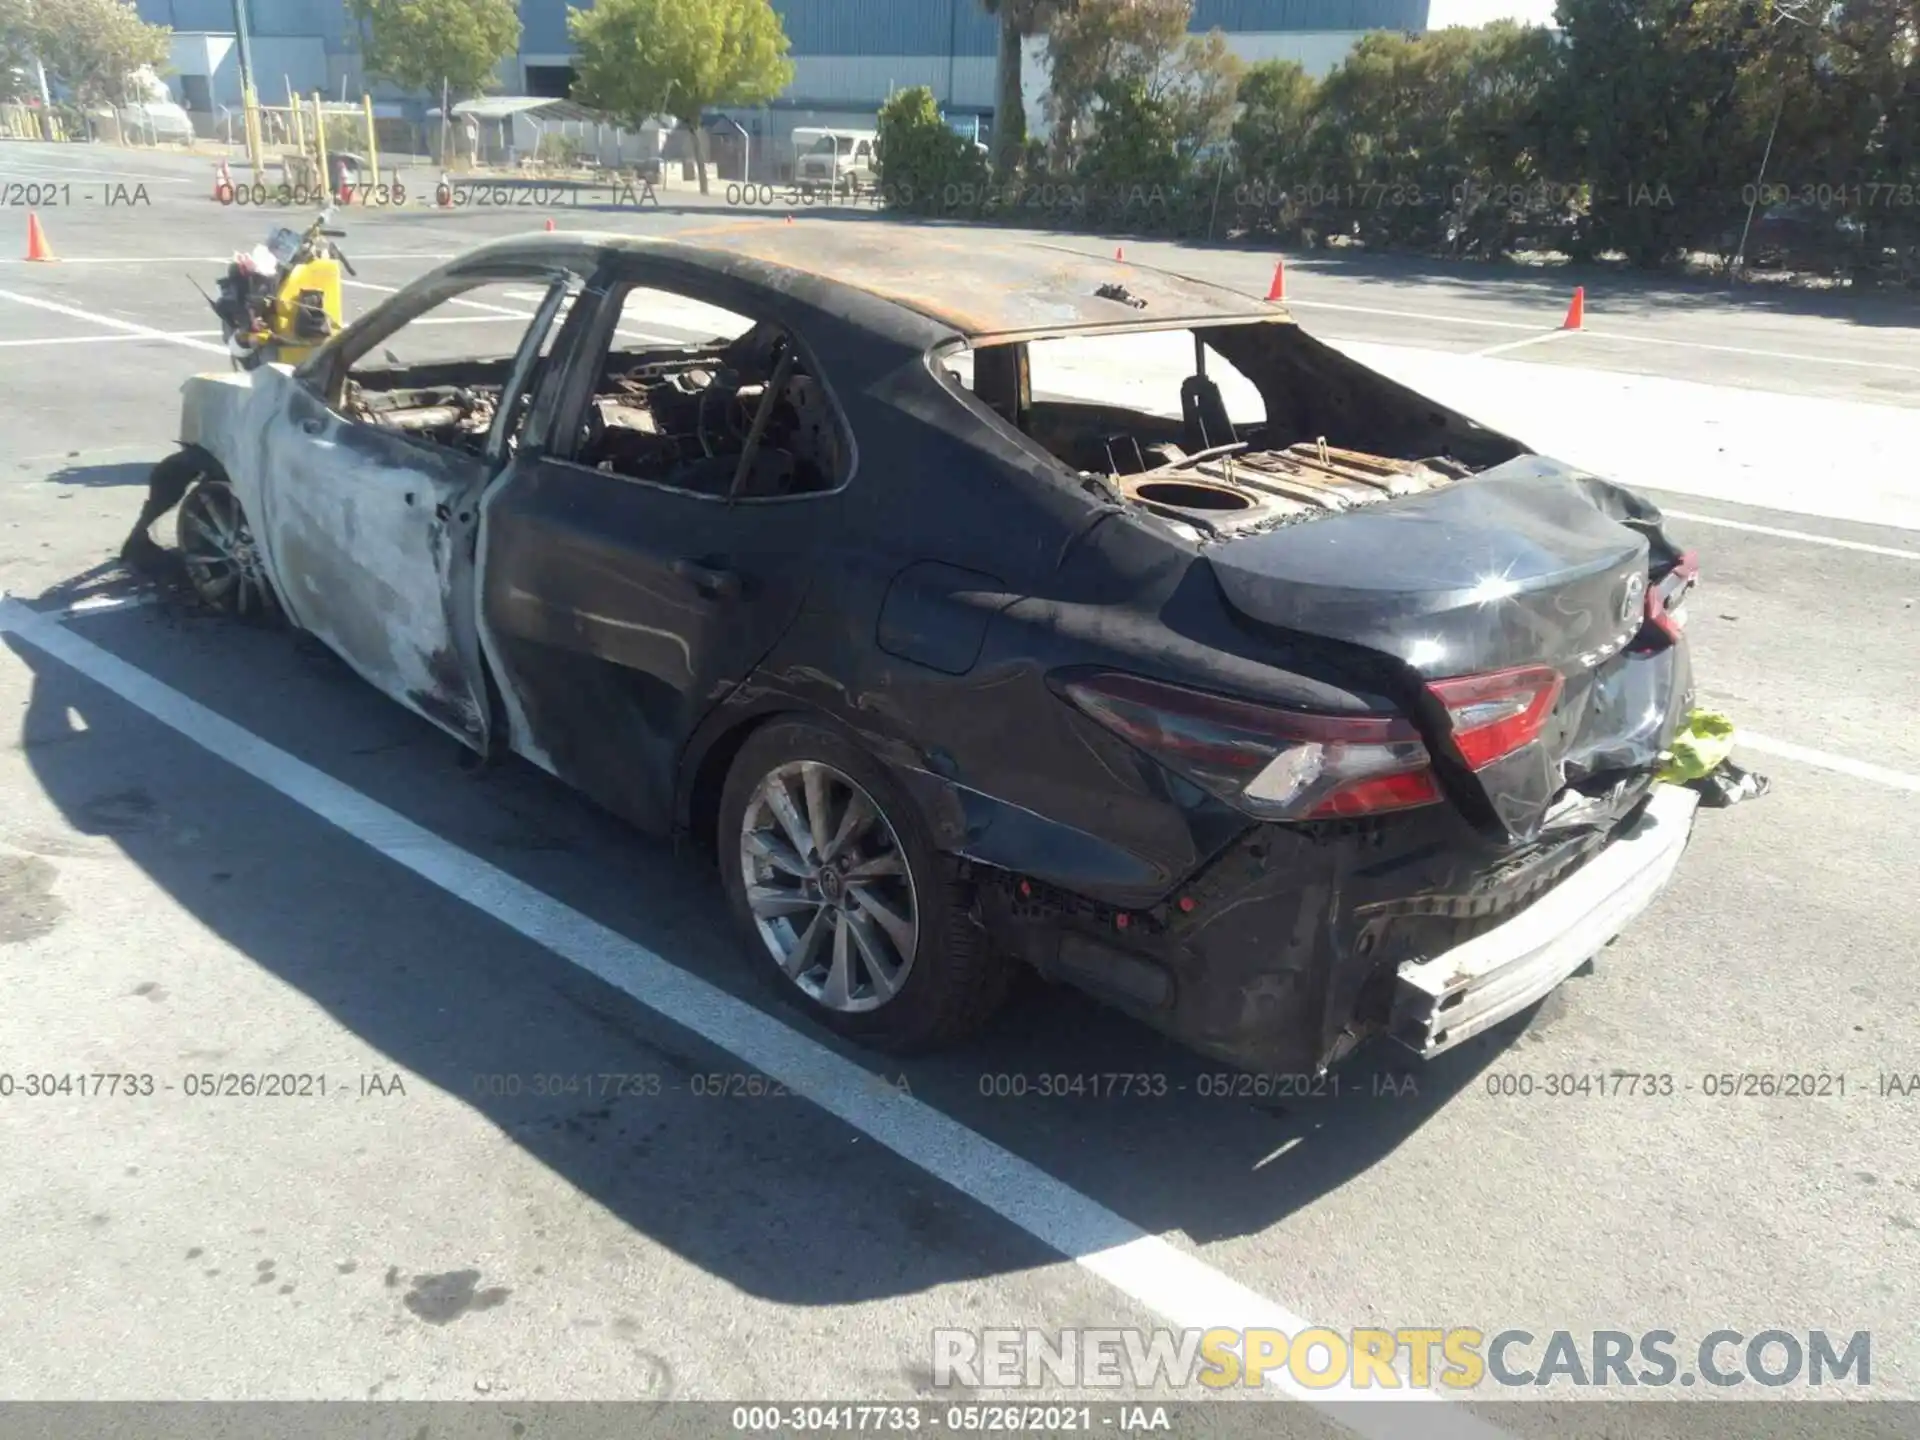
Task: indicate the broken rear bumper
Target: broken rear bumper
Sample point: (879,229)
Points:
(1440,1002)
(1298,942)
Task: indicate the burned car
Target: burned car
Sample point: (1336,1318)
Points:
(1282,708)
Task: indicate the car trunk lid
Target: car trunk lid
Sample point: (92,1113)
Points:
(1531,563)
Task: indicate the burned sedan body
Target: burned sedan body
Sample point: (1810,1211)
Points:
(1278,706)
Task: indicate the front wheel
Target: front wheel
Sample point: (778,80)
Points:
(222,560)
(852,913)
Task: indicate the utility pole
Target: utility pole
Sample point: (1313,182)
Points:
(1788,10)
(1738,268)
(249,99)
(46,95)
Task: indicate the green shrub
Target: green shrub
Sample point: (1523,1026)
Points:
(564,152)
(924,167)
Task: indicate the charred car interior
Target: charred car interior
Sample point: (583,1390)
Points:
(438,390)
(452,404)
(1326,437)
(745,418)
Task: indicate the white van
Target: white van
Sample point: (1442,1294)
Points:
(839,159)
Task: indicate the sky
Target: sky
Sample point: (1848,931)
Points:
(1443,13)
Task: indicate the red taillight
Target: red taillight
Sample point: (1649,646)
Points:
(1383,793)
(1312,765)
(1277,764)
(1495,715)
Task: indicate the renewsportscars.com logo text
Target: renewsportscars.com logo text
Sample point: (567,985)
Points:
(1417,1358)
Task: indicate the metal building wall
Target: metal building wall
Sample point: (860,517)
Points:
(883,27)
(820,27)
(965,81)
(322,19)
(1268,15)
(960,27)
(543,27)
(842,49)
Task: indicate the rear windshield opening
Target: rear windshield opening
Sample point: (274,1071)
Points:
(1229,426)
(1112,404)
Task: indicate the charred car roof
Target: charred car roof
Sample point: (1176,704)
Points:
(980,285)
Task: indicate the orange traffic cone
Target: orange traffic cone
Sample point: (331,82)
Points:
(443,197)
(37,246)
(223,183)
(789,219)
(549,222)
(1119,253)
(1278,290)
(1577,311)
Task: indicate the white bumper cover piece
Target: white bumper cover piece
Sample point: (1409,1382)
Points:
(1443,1001)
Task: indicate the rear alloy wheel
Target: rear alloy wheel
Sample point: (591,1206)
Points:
(854,915)
(828,887)
(218,551)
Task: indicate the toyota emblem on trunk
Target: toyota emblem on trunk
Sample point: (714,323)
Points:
(1633,599)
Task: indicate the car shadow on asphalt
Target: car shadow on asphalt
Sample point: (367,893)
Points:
(163,583)
(94,477)
(1163,1138)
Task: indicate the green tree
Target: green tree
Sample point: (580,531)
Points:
(1136,141)
(1278,101)
(924,166)
(1202,83)
(1847,99)
(1654,117)
(424,45)
(1410,131)
(92,47)
(1138,56)
(641,58)
(1019,20)
(17,80)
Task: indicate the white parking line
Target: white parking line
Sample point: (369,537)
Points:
(104,604)
(470,304)
(1862,546)
(187,335)
(1480,321)
(1483,322)
(57,171)
(1522,344)
(1178,1286)
(1839,764)
(103,339)
(1798,357)
(190,337)
(627,331)
(212,259)
(144,331)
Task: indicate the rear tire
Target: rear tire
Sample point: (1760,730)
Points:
(851,913)
(221,558)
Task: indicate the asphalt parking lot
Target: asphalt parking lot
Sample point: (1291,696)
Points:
(222,852)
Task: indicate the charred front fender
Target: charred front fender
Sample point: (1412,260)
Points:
(214,412)
(213,408)
(226,416)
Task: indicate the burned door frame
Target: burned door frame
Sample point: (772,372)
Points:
(570,586)
(395,600)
